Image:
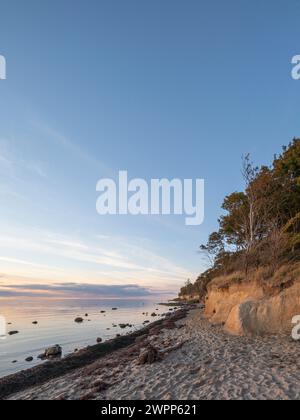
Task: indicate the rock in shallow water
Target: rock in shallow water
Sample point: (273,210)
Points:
(13,332)
(78,320)
(51,352)
(125,326)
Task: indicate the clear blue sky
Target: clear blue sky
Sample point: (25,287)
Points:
(159,88)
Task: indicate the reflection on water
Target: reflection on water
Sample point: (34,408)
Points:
(55,325)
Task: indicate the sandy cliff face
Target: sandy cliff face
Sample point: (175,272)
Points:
(244,308)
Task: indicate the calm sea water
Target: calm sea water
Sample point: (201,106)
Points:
(56,325)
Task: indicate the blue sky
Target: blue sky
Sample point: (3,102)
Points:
(160,89)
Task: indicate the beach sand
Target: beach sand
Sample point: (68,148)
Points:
(206,364)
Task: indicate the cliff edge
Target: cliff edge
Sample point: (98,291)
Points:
(252,306)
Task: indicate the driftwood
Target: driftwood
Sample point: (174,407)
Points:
(168,350)
(152,354)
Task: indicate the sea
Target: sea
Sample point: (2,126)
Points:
(44,322)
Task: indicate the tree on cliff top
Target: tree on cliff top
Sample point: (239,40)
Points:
(261,225)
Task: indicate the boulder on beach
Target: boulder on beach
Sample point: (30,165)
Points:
(99,340)
(29,359)
(35,322)
(102,312)
(51,352)
(148,356)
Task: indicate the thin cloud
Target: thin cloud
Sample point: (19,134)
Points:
(24,262)
(63,141)
(14,165)
(75,290)
(115,259)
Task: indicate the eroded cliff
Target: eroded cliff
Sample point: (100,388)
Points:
(253,306)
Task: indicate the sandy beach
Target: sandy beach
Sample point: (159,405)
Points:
(197,361)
